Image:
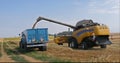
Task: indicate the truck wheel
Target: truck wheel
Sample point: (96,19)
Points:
(43,48)
(103,46)
(21,45)
(24,47)
(73,43)
(84,46)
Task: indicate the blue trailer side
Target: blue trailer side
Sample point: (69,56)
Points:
(34,38)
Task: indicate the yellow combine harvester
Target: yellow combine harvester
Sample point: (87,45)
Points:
(86,34)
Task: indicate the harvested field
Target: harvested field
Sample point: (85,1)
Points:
(0,50)
(10,54)
(110,54)
(63,53)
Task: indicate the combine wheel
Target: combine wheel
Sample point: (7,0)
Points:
(73,43)
(84,46)
(103,46)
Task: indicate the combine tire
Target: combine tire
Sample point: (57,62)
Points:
(43,48)
(73,43)
(84,46)
(103,46)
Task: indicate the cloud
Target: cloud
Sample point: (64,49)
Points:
(104,6)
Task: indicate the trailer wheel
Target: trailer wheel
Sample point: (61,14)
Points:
(43,48)
(103,46)
(84,46)
(73,43)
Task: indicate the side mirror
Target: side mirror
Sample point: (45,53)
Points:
(19,34)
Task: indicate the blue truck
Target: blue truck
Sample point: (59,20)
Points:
(34,38)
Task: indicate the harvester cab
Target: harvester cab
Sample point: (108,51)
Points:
(86,34)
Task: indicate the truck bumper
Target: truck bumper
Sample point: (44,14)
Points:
(36,45)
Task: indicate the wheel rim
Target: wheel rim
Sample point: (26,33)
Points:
(83,46)
(72,44)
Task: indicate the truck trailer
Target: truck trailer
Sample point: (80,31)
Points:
(34,38)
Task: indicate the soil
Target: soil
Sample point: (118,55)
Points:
(6,58)
(30,59)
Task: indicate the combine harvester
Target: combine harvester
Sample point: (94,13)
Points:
(86,34)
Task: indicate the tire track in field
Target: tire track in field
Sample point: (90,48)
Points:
(5,57)
(28,58)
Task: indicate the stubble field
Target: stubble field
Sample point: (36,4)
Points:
(10,52)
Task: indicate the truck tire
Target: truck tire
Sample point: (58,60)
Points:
(103,46)
(73,43)
(43,48)
(21,45)
(84,46)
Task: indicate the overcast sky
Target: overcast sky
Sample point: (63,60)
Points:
(18,15)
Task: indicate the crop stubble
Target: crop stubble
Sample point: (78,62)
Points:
(96,54)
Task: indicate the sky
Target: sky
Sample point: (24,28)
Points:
(18,15)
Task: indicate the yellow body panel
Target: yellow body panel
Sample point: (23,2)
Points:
(61,39)
(102,30)
(88,31)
